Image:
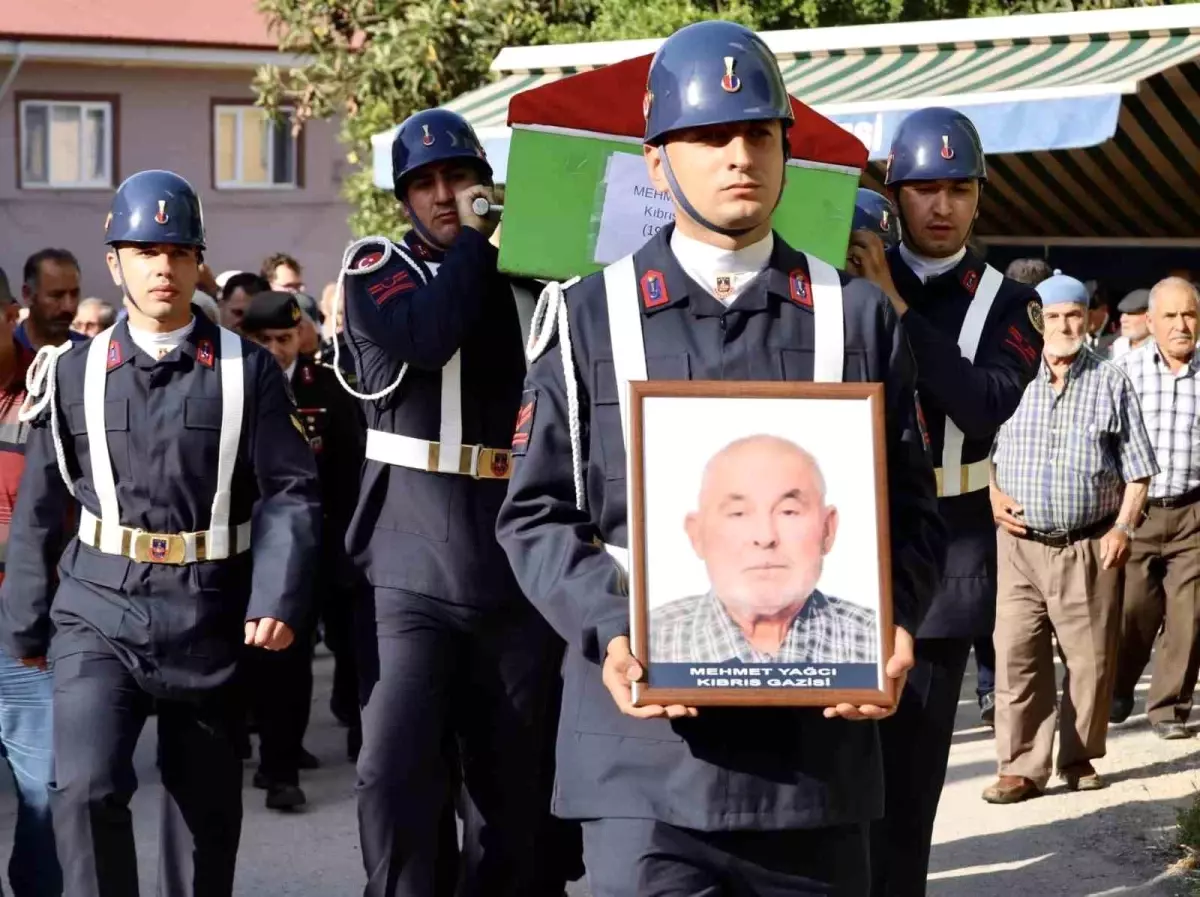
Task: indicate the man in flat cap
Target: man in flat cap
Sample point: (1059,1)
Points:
(1135,323)
(281,683)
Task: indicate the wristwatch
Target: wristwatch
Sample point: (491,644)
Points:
(1126,529)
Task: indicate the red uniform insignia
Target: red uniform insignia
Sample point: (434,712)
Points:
(921,425)
(970,281)
(306,375)
(317,444)
(947,152)
(730,83)
(1016,340)
(647,102)
(158,549)
(371,258)
(428,139)
(523,431)
(114,354)
(500,465)
(391,286)
(800,287)
(654,289)
(162,217)
(204,352)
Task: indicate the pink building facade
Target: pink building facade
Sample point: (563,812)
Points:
(77,118)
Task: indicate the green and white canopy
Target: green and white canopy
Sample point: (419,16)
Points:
(1091,120)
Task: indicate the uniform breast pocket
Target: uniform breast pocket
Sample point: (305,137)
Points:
(202,426)
(606,405)
(316,424)
(116,431)
(797,364)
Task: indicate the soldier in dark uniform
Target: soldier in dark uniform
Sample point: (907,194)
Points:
(282,683)
(976,337)
(169,432)
(436,335)
(728,801)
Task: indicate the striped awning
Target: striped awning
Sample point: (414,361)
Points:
(1087,135)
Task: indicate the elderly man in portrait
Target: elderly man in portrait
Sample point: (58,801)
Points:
(1162,579)
(1071,469)
(762,528)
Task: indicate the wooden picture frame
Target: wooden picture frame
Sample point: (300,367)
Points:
(690,440)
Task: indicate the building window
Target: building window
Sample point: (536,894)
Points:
(66,144)
(252,151)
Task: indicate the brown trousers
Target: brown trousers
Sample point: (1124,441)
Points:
(1044,592)
(1162,589)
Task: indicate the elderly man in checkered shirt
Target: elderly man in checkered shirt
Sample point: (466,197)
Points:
(1162,579)
(763,529)
(1071,470)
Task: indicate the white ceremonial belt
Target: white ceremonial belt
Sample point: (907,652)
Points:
(163,548)
(972,478)
(420,454)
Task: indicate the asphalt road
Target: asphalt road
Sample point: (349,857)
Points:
(1069,845)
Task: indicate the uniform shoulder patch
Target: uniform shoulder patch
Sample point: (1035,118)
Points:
(1034,310)
(114,354)
(800,287)
(389,282)
(970,280)
(654,289)
(204,352)
(523,431)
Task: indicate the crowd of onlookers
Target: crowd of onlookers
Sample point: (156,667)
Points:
(1095,490)
(50,307)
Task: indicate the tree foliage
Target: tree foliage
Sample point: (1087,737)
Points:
(374,62)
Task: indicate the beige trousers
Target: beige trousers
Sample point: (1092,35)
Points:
(1162,589)
(1044,592)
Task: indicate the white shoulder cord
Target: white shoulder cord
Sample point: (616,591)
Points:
(39,394)
(549,315)
(339,304)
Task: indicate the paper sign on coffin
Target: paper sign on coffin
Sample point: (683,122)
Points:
(578,196)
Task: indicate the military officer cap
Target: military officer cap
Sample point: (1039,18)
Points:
(1135,302)
(272,310)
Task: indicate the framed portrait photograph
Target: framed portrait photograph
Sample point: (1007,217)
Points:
(760,563)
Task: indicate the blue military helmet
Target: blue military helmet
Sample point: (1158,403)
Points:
(434,135)
(713,73)
(875,212)
(155,207)
(935,144)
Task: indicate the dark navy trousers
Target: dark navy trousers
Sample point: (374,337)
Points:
(99,712)
(647,858)
(916,751)
(490,678)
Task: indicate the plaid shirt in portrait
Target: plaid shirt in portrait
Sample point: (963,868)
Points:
(1065,459)
(700,630)
(1170,407)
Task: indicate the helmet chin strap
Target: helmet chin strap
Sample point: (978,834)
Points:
(124,288)
(695,215)
(421,229)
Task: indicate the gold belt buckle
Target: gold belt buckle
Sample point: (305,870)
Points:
(494,464)
(159,548)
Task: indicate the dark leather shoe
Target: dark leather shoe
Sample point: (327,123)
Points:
(1011,790)
(285,797)
(1120,710)
(987,709)
(308,761)
(1082,777)
(1171,731)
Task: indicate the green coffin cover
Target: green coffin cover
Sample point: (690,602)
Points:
(555,193)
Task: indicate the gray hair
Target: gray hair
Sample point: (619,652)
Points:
(108,314)
(1177,283)
(767,439)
